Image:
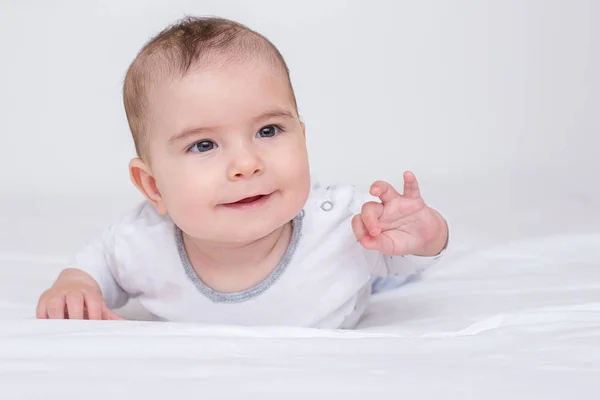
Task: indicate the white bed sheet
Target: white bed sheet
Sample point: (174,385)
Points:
(512,312)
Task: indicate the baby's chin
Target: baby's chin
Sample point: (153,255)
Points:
(260,227)
(240,234)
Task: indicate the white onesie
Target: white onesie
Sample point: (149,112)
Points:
(323,281)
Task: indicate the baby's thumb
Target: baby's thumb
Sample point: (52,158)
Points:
(110,315)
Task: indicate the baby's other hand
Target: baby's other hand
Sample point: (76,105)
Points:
(74,295)
(401,224)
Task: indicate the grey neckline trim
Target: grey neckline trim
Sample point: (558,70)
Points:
(256,290)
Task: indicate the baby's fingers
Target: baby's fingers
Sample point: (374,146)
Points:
(359,228)
(75,305)
(384,191)
(94,305)
(56,307)
(370,214)
(380,243)
(362,235)
(411,186)
(41,311)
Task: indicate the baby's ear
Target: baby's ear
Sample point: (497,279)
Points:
(142,178)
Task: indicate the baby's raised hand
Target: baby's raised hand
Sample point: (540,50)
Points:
(401,224)
(74,295)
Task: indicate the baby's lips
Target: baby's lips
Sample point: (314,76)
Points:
(247,199)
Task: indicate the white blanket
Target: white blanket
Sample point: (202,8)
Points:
(512,312)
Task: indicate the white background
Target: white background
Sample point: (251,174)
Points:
(445,88)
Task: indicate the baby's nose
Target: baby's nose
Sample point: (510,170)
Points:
(245,165)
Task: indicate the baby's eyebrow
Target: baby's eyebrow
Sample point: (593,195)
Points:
(187,133)
(280,112)
(274,113)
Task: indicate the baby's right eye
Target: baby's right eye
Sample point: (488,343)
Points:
(202,146)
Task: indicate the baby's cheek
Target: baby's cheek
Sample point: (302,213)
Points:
(294,161)
(185,197)
(299,172)
(297,183)
(191,217)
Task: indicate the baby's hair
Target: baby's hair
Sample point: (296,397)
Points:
(174,51)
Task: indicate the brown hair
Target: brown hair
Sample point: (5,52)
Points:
(173,51)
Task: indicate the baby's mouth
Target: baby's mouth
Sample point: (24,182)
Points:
(249,199)
(248,202)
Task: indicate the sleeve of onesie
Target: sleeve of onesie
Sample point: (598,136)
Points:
(399,266)
(99,260)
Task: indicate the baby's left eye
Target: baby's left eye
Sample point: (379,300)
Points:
(268,131)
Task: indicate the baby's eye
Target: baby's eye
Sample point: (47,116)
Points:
(268,131)
(202,146)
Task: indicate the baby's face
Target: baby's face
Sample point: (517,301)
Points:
(228,152)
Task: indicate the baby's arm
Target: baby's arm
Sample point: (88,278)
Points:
(88,290)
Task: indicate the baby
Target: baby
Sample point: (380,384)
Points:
(233,230)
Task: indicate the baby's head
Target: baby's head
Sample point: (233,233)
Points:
(214,119)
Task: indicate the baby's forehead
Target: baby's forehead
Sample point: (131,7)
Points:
(221,72)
